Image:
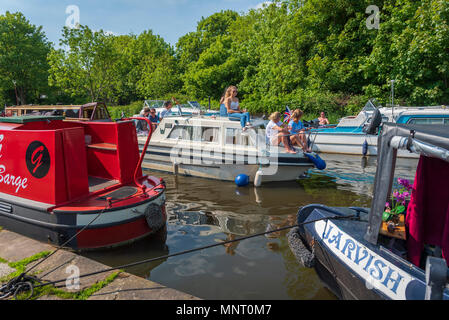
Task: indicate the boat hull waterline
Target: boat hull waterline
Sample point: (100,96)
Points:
(160,159)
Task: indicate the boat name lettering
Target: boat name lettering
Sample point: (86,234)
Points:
(9,179)
(374,266)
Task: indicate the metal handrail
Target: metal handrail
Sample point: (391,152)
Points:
(144,151)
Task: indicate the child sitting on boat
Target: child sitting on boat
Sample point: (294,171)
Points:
(276,133)
(297,130)
(154,118)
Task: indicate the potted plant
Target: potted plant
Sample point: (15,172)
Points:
(398,204)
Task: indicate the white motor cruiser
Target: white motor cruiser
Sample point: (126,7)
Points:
(357,135)
(218,148)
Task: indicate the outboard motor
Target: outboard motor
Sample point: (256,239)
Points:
(315,123)
(376,120)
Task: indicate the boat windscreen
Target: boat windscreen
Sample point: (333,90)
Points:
(194,104)
(371,105)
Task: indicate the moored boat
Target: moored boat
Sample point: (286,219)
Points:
(80,180)
(191,108)
(359,254)
(351,135)
(218,148)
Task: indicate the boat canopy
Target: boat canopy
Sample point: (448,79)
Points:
(424,140)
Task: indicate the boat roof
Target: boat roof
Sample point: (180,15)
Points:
(424,140)
(29,118)
(57,106)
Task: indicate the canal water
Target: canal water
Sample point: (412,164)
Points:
(203,212)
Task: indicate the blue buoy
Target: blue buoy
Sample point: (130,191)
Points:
(319,163)
(365,148)
(242,180)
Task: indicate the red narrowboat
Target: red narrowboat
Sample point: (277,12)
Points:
(82,181)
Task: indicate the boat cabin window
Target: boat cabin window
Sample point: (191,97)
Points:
(428,121)
(181,133)
(72,113)
(209,134)
(234,136)
(101,113)
(87,112)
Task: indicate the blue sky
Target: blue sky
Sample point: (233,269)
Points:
(167,18)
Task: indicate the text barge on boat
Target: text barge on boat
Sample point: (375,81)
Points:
(58,177)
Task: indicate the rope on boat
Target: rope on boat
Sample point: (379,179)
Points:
(25,283)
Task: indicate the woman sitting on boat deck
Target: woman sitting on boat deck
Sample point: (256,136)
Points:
(231,102)
(297,130)
(276,133)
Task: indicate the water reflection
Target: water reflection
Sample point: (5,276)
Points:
(203,212)
(151,247)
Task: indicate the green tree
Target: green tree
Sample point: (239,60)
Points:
(23,59)
(411,47)
(85,64)
(154,70)
(211,31)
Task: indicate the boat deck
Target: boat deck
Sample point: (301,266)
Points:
(96,184)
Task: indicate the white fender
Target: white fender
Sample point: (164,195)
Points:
(258,178)
(175,168)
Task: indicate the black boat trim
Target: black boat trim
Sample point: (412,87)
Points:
(61,227)
(281,161)
(328,252)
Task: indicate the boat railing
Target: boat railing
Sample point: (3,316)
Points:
(389,106)
(419,147)
(144,151)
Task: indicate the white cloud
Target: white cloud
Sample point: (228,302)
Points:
(262,5)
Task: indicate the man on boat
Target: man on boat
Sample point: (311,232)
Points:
(167,105)
(323,120)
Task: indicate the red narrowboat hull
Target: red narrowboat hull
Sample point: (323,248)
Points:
(77,185)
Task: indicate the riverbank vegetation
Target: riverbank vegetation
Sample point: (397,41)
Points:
(319,55)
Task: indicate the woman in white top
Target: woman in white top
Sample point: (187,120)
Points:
(277,134)
(233,107)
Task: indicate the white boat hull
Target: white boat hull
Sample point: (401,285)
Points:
(156,160)
(349,143)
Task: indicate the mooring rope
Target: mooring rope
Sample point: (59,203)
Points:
(21,283)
